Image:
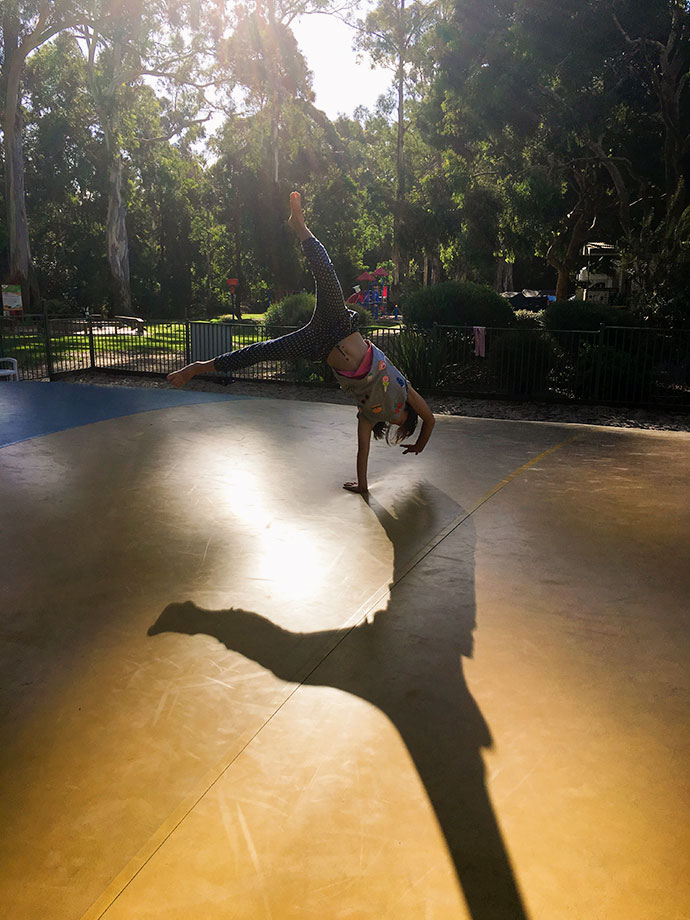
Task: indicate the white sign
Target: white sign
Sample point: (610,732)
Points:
(11,297)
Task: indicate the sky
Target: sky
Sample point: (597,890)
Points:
(340,83)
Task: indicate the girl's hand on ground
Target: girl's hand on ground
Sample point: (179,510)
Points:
(355,487)
(413,449)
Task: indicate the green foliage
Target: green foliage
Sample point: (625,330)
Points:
(64,179)
(296,310)
(521,360)
(529,319)
(522,119)
(57,307)
(457,303)
(231,318)
(610,373)
(293,310)
(422,357)
(584,315)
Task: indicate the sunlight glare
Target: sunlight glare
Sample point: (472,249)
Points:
(284,553)
(340,83)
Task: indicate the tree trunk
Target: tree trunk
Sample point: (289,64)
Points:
(504,275)
(562,283)
(398,268)
(435,268)
(116,235)
(21,268)
(240,287)
(564,267)
(584,215)
(274,101)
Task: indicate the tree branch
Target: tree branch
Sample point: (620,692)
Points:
(174,131)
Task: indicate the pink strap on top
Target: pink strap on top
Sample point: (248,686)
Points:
(363,368)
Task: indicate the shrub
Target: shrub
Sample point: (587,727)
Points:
(457,303)
(365,315)
(231,318)
(612,374)
(296,310)
(422,358)
(57,307)
(521,360)
(293,310)
(584,315)
(529,319)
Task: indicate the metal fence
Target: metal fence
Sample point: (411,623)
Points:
(612,365)
(47,347)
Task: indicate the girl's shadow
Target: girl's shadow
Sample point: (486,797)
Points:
(407,660)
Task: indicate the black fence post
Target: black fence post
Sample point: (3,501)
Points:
(92,350)
(599,361)
(49,351)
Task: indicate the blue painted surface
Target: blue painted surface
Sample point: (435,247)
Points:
(30,409)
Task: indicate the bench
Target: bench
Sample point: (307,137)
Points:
(13,372)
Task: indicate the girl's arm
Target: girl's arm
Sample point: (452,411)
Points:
(428,421)
(364,430)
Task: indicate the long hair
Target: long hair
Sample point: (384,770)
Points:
(406,430)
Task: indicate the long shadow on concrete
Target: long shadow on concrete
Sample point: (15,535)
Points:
(407,660)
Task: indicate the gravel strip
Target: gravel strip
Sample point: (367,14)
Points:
(617,417)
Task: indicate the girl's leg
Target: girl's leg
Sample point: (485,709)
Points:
(331,319)
(298,344)
(330,311)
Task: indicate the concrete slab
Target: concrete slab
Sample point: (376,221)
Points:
(235,690)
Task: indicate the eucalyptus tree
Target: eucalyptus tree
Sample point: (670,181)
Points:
(124,45)
(64,169)
(275,136)
(268,73)
(26,26)
(168,186)
(392,35)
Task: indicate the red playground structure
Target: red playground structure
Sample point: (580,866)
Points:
(375,294)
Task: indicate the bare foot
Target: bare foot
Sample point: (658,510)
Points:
(296,219)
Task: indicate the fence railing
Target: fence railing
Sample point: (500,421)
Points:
(612,365)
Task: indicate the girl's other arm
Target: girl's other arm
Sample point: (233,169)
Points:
(428,421)
(363,442)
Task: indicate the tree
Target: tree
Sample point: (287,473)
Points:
(123,45)
(274,139)
(560,87)
(657,49)
(26,26)
(64,168)
(391,34)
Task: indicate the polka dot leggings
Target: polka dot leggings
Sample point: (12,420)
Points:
(331,321)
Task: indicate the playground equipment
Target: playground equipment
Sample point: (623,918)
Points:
(375,295)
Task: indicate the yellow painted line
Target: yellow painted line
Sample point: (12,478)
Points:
(525,466)
(448,530)
(124,878)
